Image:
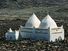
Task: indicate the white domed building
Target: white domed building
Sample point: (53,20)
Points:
(55,32)
(46,29)
(12,35)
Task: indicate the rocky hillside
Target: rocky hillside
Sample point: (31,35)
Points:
(13,4)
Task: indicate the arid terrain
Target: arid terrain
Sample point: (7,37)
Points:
(14,13)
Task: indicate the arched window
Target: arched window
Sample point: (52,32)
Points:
(59,38)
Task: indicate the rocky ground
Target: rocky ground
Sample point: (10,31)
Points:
(27,45)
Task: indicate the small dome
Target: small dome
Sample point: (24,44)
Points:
(10,30)
(33,21)
(48,22)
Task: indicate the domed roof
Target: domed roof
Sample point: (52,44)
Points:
(48,22)
(33,21)
(10,30)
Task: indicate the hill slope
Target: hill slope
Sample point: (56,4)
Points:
(13,4)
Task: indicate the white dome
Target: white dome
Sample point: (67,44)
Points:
(10,30)
(48,22)
(33,21)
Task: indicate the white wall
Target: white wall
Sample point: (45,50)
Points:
(17,34)
(56,33)
(10,36)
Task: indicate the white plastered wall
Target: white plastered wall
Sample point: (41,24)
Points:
(56,33)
